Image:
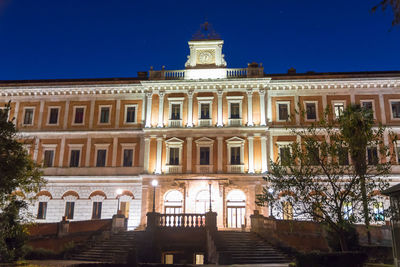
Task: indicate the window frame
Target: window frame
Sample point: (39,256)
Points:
(377,155)
(71,203)
(49,116)
(49,147)
(75,147)
(101,147)
(283,144)
(98,214)
(33,116)
(369,101)
(391,109)
(316,110)
(205,142)
(100,107)
(44,210)
(173,143)
(125,146)
(334,103)
(205,100)
(277,103)
(126,113)
(74,115)
(235,142)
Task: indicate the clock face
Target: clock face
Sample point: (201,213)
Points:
(205,57)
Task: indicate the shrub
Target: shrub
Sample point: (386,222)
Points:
(331,259)
(39,253)
(351,238)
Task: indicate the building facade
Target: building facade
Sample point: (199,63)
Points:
(205,130)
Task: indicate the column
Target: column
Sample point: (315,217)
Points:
(36,149)
(271,148)
(264,167)
(117,113)
(143,119)
(220,153)
(189,154)
(114,154)
(190,109)
(250,139)
(65,124)
(16,113)
(88,148)
(220,122)
(159,154)
(296,107)
(40,120)
(382,106)
(146,154)
(62,152)
(149,96)
(250,108)
(269,108)
(262,107)
(161,109)
(91,116)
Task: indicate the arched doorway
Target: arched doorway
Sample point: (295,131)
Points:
(173,202)
(236,209)
(203,202)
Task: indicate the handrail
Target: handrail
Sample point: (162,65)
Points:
(181,220)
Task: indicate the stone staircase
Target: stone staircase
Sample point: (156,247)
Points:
(246,248)
(117,249)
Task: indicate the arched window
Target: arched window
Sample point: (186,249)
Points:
(173,202)
(203,202)
(236,209)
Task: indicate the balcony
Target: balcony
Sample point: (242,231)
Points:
(236,168)
(205,122)
(204,168)
(175,123)
(174,168)
(235,122)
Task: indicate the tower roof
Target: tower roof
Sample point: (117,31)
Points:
(206,32)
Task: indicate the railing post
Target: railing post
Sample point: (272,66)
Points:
(63,227)
(211,221)
(152,220)
(118,223)
(257,221)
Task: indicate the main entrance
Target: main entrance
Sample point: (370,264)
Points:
(236,209)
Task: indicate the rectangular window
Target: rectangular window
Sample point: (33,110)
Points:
(287,211)
(128,157)
(74,159)
(174,156)
(311,111)
(235,111)
(204,156)
(338,108)
(69,210)
(104,115)
(343,156)
(398,154)
(283,112)
(235,156)
(347,210)
(79,114)
(284,155)
(372,154)
(96,213)
(53,116)
(101,158)
(313,155)
(130,114)
(395,109)
(169,259)
(199,259)
(175,111)
(367,105)
(205,111)
(28,116)
(379,212)
(48,158)
(42,209)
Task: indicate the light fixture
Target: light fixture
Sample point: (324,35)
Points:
(270,190)
(119,192)
(154,183)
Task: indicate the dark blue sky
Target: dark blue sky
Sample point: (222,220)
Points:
(102,38)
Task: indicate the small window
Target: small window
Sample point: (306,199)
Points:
(287,210)
(235,111)
(53,116)
(74,160)
(96,213)
(343,156)
(379,212)
(367,105)
(48,158)
(372,154)
(174,156)
(205,111)
(311,111)
(104,115)
(199,258)
(101,158)
(235,156)
(283,111)
(169,259)
(175,111)
(313,155)
(42,209)
(395,109)
(79,114)
(347,210)
(338,108)
(128,158)
(69,210)
(28,116)
(130,114)
(284,155)
(204,156)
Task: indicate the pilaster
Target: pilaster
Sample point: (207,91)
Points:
(220,122)
(250,139)
(189,154)
(62,152)
(159,155)
(114,154)
(88,147)
(264,167)
(250,108)
(91,115)
(149,96)
(261,92)
(161,95)
(40,120)
(220,153)
(66,113)
(190,109)
(146,154)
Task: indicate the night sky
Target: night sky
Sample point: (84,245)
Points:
(48,39)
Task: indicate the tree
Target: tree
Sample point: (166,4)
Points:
(316,178)
(19,176)
(395,5)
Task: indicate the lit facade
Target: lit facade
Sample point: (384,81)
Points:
(201,129)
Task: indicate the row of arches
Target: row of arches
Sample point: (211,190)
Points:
(74,194)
